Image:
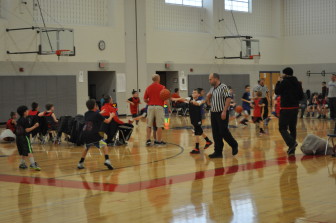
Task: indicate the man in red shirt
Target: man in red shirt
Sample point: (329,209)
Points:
(155,111)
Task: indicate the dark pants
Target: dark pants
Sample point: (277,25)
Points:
(287,121)
(220,131)
(265,108)
(332,106)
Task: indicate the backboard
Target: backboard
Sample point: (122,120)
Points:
(249,48)
(53,39)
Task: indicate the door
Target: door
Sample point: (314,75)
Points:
(92,91)
(271,78)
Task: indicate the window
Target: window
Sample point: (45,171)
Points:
(196,3)
(238,5)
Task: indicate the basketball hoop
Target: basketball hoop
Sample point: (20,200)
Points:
(60,53)
(256,58)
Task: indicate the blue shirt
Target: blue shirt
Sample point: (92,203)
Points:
(247,96)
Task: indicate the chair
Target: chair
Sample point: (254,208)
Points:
(331,136)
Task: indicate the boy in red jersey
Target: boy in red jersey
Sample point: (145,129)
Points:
(258,104)
(11,123)
(111,128)
(134,102)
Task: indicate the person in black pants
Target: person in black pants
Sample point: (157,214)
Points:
(290,90)
(219,98)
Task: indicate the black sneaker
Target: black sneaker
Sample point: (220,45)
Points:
(216,155)
(239,115)
(148,142)
(23,166)
(195,151)
(291,150)
(208,144)
(318,117)
(243,122)
(234,151)
(162,143)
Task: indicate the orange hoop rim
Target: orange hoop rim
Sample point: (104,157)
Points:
(59,52)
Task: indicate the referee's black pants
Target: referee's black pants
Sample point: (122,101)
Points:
(220,131)
(287,121)
(265,108)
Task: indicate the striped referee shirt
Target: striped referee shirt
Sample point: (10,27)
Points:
(219,96)
(262,89)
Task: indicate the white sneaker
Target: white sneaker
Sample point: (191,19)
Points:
(80,166)
(108,164)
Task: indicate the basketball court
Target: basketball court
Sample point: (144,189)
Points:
(65,52)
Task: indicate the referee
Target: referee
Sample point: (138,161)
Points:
(219,98)
(264,90)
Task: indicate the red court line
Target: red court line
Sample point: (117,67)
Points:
(148,184)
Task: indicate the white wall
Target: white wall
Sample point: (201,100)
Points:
(310,31)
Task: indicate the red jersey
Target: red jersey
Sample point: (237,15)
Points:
(32,113)
(321,102)
(152,94)
(257,108)
(110,109)
(277,106)
(10,125)
(135,106)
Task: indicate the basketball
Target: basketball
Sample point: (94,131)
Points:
(239,109)
(164,94)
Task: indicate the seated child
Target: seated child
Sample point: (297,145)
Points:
(11,123)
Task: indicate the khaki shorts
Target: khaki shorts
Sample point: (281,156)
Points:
(155,113)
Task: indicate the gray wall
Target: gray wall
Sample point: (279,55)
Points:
(105,82)
(236,81)
(23,90)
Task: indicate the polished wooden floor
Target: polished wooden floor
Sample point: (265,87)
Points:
(167,184)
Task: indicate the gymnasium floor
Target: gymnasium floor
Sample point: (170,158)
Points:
(166,184)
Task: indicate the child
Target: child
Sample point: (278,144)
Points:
(108,128)
(321,106)
(50,118)
(11,123)
(195,113)
(277,106)
(312,106)
(246,101)
(49,113)
(91,135)
(22,139)
(134,102)
(257,112)
(34,111)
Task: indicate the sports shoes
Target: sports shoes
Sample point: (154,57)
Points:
(318,117)
(80,166)
(108,164)
(262,132)
(162,143)
(148,142)
(23,166)
(291,150)
(130,121)
(243,122)
(239,115)
(234,151)
(35,167)
(195,151)
(266,121)
(215,155)
(208,144)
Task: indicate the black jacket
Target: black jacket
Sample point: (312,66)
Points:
(290,91)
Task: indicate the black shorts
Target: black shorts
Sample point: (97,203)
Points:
(198,130)
(257,119)
(23,145)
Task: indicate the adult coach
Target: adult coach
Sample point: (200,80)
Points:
(219,98)
(155,111)
(332,96)
(264,91)
(290,90)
